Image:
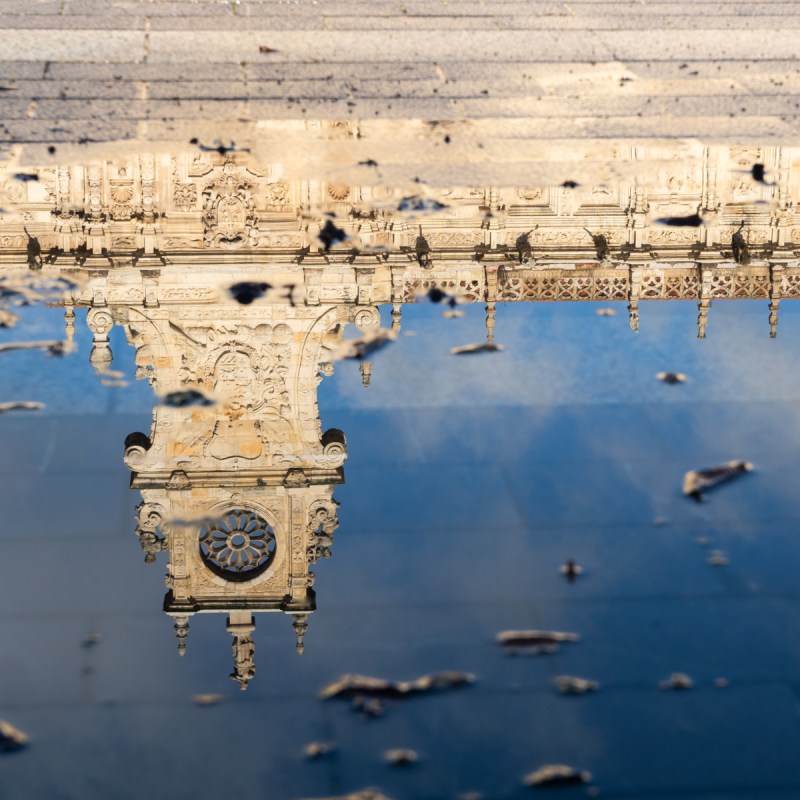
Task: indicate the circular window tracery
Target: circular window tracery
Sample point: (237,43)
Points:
(238,546)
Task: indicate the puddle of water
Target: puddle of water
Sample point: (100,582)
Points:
(465,397)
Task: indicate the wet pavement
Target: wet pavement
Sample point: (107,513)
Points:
(415,417)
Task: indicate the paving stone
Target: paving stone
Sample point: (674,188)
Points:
(21,69)
(142,72)
(226,46)
(86,23)
(81,46)
(38,89)
(78,130)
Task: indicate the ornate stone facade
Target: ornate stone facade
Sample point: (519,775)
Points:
(237,488)
(236,477)
(601,242)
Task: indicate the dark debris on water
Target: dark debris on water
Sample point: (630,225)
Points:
(360,348)
(671,377)
(534,641)
(571,570)
(698,481)
(21,405)
(247,292)
(758,172)
(677,681)
(417,203)
(689,221)
(186,397)
(401,757)
(54,347)
(557,775)
(484,347)
(315,750)
(349,686)
(331,235)
(11,737)
(572,685)
(436,295)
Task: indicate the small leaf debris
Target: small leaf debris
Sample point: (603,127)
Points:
(186,397)
(697,481)
(354,685)
(570,570)
(248,291)
(51,348)
(222,149)
(690,221)
(417,203)
(716,558)
(484,347)
(758,172)
(557,775)
(671,377)
(208,699)
(360,348)
(677,681)
(11,737)
(534,642)
(569,684)
(400,757)
(21,405)
(315,750)
(331,235)
(436,295)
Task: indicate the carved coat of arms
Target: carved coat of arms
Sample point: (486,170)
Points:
(229,217)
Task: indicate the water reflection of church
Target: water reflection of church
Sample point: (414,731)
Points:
(239,494)
(238,491)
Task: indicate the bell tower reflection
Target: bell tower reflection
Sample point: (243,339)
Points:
(236,475)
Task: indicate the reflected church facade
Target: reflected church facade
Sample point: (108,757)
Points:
(237,489)
(237,494)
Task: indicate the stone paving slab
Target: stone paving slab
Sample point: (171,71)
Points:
(356,45)
(371,21)
(340,103)
(86,71)
(629,65)
(69,22)
(81,46)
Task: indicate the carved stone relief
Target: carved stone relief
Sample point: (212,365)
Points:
(229,217)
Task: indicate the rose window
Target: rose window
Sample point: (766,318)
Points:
(238,546)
